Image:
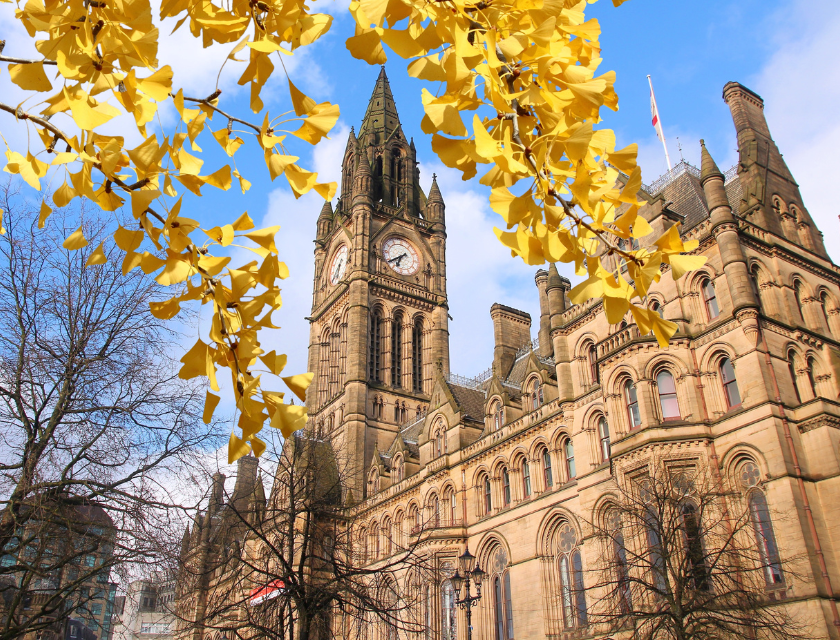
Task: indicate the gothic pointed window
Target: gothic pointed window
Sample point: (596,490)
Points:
(809,372)
(730,384)
(448,611)
(631,398)
(570,567)
(592,360)
(375,360)
(604,438)
(694,547)
(749,477)
(569,449)
(547,477)
(396,350)
(417,355)
(623,593)
(497,413)
(506,487)
(502,604)
(526,479)
(791,362)
(710,299)
(668,395)
(488,496)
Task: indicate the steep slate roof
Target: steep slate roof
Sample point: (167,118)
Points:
(471,401)
(381,116)
(687,197)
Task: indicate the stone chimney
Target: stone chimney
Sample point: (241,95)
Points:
(546,348)
(511,330)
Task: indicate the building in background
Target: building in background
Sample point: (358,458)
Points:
(145,612)
(513,462)
(62,552)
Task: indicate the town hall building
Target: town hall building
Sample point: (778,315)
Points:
(513,462)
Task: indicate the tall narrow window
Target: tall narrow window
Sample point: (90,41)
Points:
(448,611)
(694,549)
(791,361)
(526,479)
(498,608)
(374,362)
(506,486)
(580,592)
(508,607)
(631,398)
(396,350)
(573,600)
(766,539)
(730,384)
(710,300)
(668,396)
(824,306)
(604,438)
(657,308)
(488,496)
(809,371)
(623,593)
(592,359)
(417,355)
(535,394)
(546,460)
(498,412)
(566,593)
(569,448)
(657,560)
(453,508)
(434,508)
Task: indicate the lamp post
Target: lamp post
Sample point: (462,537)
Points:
(469,572)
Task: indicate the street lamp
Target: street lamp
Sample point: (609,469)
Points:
(469,572)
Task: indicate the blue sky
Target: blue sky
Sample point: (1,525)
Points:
(786,51)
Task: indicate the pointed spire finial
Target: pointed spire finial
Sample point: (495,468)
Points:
(708,168)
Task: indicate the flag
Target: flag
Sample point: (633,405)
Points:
(654,114)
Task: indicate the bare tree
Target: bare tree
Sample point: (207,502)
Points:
(94,420)
(684,557)
(301,571)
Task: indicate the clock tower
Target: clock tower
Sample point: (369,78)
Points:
(379,323)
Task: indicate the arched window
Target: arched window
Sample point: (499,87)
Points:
(797,293)
(570,567)
(809,372)
(396,350)
(488,496)
(710,299)
(526,479)
(765,539)
(791,362)
(825,303)
(667,395)
(657,308)
(398,469)
(694,548)
(453,508)
(569,450)
(535,394)
(506,487)
(619,551)
(730,384)
(592,360)
(434,511)
(497,411)
(604,438)
(502,602)
(439,441)
(374,361)
(448,611)
(546,462)
(755,283)
(631,399)
(387,533)
(417,355)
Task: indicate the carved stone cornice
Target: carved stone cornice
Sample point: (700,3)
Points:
(819,421)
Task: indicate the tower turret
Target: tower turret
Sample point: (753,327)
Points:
(435,207)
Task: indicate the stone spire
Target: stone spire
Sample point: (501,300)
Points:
(324,220)
(708,168)
(381,119)
(435,206)
(362,182)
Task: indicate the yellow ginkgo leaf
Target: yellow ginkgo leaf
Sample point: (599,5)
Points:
(264,238)
(211,401)
(198,361)
(30,77)
(302,103)
(97,257)
(274,362)
(75,240)
(45,213)
(299,384)
(237,448)
(289,418)
(166,309)
(243,223)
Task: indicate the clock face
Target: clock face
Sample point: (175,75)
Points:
(401,256)
(339,264)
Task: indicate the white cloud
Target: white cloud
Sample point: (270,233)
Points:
(480,271)
(801,87)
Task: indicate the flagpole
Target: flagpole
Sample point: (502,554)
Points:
(657,123)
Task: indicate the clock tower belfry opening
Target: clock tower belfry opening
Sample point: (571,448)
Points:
(379,325)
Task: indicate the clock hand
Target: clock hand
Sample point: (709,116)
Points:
(398,259)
